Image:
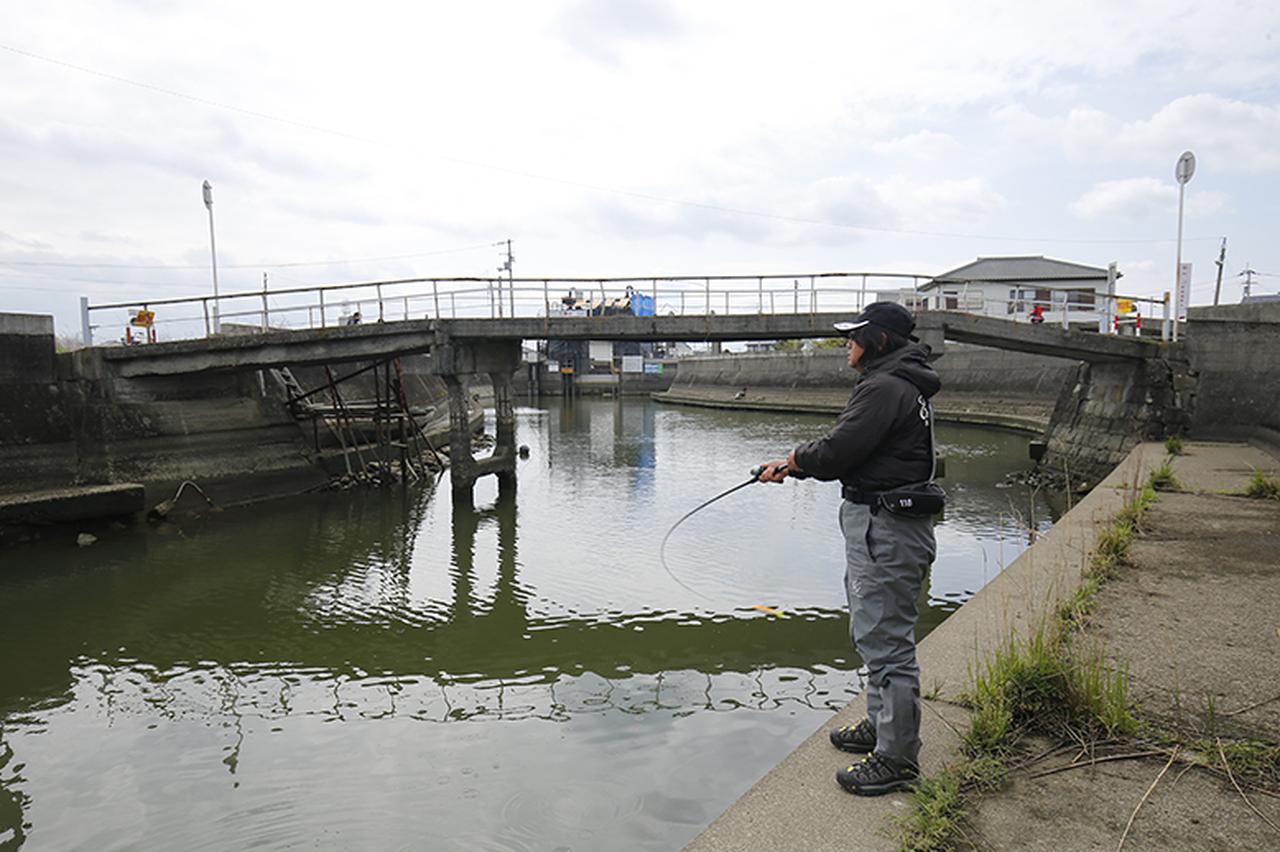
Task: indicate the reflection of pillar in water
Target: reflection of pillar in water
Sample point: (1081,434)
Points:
(465,522)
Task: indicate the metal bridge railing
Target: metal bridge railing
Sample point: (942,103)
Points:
(679,295)
(451,298)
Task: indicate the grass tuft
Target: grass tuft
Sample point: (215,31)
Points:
(1162,478)
(1256,760)
(939,804)
(1262,488)
(1173,445)
(1032,684)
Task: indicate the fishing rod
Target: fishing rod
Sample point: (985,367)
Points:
(755,477)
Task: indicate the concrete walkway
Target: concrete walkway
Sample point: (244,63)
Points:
(1194,616)
(798,805)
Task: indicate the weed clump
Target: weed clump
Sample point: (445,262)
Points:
(1036,684)
(1262,488)
(939,805)
(1162,478)
(1173,445)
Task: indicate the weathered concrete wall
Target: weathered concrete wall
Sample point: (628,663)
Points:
(979,385)
(84,423)
(26,349)
(69,419)
(1109,408)
(91,426)
(1235,352)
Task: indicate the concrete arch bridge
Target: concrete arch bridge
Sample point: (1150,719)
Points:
(1122,378)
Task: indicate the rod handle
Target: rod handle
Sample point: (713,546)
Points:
(756,471)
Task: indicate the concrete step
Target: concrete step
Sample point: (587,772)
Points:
(75,503)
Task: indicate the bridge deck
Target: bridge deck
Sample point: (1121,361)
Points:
(382,340)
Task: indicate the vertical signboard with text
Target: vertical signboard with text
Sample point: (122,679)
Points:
(1184,292)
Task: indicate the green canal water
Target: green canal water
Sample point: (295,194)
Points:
(376,670)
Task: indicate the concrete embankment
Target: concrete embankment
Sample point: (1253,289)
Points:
(980,385)
(798,804)
(1191,616)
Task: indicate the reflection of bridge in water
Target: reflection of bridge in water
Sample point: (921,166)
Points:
(353,631)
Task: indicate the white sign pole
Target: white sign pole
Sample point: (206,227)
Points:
(1183,171)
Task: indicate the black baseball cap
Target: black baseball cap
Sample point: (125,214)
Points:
(888,315)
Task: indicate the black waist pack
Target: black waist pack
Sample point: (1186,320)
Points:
(919,500)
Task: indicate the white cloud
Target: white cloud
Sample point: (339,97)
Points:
(1227,135)
(959,204)
(1142,198)
(416,127)
(600,28)
(923,145)
(1133,198)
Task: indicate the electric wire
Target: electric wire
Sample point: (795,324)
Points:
(737,211)
(296,263)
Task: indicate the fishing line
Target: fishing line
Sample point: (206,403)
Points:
(755,477)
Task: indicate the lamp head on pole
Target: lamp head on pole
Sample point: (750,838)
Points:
(208,195)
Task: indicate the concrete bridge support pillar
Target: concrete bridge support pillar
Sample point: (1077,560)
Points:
(505,410)
(455,361)
(461,461)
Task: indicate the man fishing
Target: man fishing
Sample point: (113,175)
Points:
(879,448)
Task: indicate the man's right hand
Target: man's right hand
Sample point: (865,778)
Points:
(774,471)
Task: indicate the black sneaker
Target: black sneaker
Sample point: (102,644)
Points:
(877,775)
(859,738)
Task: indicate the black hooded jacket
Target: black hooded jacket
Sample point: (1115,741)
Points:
(881,439)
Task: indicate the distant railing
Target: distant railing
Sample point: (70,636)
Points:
(496,298)
(1065,306)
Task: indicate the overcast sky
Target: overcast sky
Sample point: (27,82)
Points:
(610,137)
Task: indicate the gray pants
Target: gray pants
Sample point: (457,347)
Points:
(887,557)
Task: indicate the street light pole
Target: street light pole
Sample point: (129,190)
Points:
(213,254)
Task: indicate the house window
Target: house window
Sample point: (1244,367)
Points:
(1082,300)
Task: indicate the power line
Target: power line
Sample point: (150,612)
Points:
(736,211)
(68,265)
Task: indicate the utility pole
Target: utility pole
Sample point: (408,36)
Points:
(511,281)
(1222,256)
(265,308)
(1248,280)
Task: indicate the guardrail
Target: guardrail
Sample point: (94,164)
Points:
(450,298)
(1065,306)
(680,295)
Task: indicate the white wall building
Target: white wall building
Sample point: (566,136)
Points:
(1011,287)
